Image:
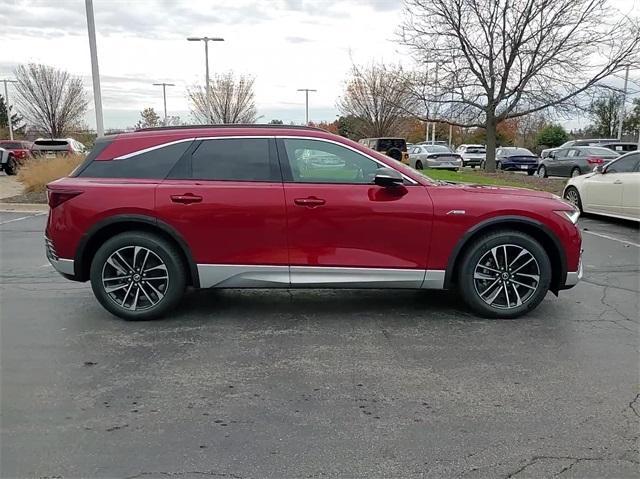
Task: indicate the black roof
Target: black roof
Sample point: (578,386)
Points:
(231,125)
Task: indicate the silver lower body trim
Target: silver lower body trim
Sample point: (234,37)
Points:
(63,266)
(573,277)
(257,276)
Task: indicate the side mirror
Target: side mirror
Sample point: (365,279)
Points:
(599,169)
(387,177)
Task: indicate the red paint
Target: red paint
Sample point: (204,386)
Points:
(231,222)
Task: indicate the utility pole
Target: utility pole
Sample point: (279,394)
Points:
(164,97)
(6,100)
(622,105)
(206,41)
(306,97)
(95,73)
(433,131)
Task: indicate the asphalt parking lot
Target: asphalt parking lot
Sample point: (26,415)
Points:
(279,384)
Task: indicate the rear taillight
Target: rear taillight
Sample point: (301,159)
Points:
(56,197)
(594,160)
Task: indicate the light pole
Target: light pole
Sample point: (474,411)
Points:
(206,41)
(306,99)
(95,73)
(622,105)
(164,97)
(6,100)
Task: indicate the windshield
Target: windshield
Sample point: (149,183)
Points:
(11,145)
(436,149)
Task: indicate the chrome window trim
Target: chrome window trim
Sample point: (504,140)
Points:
(235,137)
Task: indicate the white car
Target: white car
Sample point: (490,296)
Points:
(472,155)
(611,190)
(434,156)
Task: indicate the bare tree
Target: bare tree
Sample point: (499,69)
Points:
(50,99)
(379,97)
(501,59)
(231,100)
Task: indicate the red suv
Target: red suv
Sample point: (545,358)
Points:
(151,212)
(19,152)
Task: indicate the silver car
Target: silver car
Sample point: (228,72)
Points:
(434,156)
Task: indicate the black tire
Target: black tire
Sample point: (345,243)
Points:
(11,168)
(476,252)
(419,165)
(482,165)
(498,166)
(473,167)
(165,251)
(573,175)
(530,172)
(572,195)
(542,172)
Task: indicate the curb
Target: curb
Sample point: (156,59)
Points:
(23,208)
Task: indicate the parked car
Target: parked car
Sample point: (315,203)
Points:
(4,159)
(434,156)
(582,142)
(611,190)
(20,152)
(230,207)
(510,158)
(472,155)
(621,147)
(395,148)
(434,142)
(575,161)
(50,147)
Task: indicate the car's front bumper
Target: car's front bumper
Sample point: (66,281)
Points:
(574,277)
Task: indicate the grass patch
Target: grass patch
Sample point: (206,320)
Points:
(37,172)
(499,178)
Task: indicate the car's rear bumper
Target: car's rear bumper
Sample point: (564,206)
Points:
(66,267)
(519,167)
(472,161)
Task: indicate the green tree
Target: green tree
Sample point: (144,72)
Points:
(149,119)
(551,136)
(605,114)
(16,119)
(631,125)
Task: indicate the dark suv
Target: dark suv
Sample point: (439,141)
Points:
(151,212)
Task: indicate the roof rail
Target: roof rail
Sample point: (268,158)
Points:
(230,125)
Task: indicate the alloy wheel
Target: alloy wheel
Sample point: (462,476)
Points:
(135,278)
(572,196)
(506,276)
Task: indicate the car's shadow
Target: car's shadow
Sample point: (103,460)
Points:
(319,303)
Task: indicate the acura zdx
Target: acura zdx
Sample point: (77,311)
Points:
(152,212)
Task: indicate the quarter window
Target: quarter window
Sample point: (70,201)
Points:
(233,159)
(314,161)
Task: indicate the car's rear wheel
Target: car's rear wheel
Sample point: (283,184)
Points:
(504,274)
(542,172)
(575,172)
(138,276)
(419,165)
(530,172)
(572,195)
(11,168)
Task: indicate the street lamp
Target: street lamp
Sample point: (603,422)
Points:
(206,41)
(164,97)
(95,73)
(306,97)
(6,99)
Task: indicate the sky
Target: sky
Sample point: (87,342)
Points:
(284,44)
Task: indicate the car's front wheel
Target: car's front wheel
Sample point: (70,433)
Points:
(11,168)
(138,276)
(542,172)
(504,274)
(419,165)
(572,195)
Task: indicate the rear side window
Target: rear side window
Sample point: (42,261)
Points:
(153,165)
(235,159)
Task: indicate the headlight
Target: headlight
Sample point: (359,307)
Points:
(569,215)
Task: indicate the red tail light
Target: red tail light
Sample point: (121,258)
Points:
(56,197)
(594,160)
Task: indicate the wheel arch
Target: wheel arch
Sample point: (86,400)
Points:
(535,229)
(112,226)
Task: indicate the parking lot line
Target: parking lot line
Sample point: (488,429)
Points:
(21,218)
(612,238)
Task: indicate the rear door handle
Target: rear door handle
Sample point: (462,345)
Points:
(186,199)
(310,202)
(617,182)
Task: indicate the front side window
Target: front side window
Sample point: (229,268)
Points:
(315,161)
(233,159)
(628,164)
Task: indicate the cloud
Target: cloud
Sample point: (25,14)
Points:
(298,40)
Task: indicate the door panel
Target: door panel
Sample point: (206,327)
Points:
(234,223)
(631,195)
(603,193)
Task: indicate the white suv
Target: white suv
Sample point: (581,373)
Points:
(472,155)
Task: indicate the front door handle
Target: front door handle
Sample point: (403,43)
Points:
(186,199)
(617,182)
(310,202)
